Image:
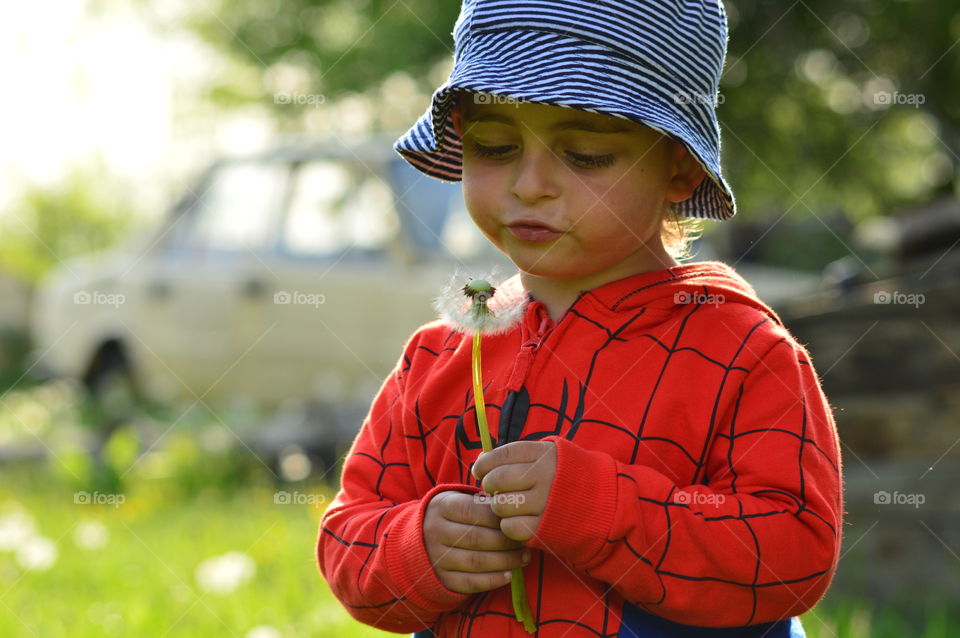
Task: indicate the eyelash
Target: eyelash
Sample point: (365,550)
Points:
(586,161)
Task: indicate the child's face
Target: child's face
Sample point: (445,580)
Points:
(568,194)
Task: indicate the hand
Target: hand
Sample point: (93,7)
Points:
(468,551)
(519,475)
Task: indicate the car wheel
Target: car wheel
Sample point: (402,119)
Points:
(112,390)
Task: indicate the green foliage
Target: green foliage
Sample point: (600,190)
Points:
(340,45)
(142,580)
(14,347)
(807,118)
(804,125)
(129,566)
(49,225)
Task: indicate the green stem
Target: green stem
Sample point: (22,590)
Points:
(518,591)
(521,606)
(478,396)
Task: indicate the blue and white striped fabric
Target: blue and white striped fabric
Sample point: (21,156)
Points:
(657,62)
(636,623)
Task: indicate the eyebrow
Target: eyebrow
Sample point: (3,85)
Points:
(572,124)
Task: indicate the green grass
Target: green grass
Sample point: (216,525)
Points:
(187,502)
(142,581)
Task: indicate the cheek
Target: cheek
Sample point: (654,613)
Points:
(622,217)
(479,192)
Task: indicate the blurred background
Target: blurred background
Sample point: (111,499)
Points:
(210,257)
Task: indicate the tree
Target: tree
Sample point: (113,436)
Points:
(845,111)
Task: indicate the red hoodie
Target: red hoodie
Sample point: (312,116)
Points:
(698,466)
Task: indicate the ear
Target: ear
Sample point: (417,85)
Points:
(456,116)
(688,173)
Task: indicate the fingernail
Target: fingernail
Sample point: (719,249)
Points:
(507,575)
(525,558)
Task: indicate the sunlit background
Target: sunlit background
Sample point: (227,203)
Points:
(210,257)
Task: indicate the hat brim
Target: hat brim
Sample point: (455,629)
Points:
(548,68)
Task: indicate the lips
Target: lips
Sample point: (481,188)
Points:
(533,231)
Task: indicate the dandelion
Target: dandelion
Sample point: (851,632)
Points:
(223,574)
(478,310)
(90,535)
(37,554)
(16,528)
(264,631)
(479,307)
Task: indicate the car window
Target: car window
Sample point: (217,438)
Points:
(436,215)
(336,207)
(236,211)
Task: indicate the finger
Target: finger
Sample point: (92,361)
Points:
(477,562)
(513,452)
(522,503)
(510,478)
(467,583)
(520,528)
(468,509)
(476,538)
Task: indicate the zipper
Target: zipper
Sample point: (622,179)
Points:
(529,348)
(516,404)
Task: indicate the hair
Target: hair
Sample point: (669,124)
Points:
(678,233)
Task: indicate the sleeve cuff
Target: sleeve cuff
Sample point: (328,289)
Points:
(580,509)
(407,557)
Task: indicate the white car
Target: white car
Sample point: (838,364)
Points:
(290,278)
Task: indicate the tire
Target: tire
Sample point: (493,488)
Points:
(112,390)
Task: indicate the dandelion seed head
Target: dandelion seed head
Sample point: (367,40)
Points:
(16,528)
(90,535)
(264,631)
(478,306)
(224,574)
(37,554)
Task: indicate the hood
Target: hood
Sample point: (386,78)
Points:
(705,282)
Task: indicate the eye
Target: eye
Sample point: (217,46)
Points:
(490,151)
(591,161)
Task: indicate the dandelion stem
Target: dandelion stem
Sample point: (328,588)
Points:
(478,402)
(521,606)
(518,591)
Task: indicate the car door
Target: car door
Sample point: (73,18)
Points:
(204,309)
(351,294)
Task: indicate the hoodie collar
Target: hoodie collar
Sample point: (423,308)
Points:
(685,284)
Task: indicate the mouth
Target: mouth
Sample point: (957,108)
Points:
(533,231)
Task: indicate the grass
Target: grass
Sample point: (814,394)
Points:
(132,569)
(142,581)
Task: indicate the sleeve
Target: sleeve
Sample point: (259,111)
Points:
(758,541)
(370,546)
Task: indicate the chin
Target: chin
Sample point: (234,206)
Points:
(547,271)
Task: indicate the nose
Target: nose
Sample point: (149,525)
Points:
(536,174)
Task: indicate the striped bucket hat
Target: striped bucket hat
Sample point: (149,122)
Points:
(656,62)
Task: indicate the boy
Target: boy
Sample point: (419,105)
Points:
(665,462)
